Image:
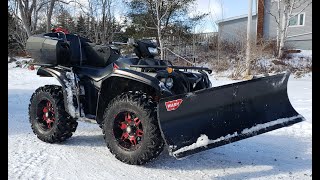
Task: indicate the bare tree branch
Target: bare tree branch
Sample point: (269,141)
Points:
(77,2)
(40,6)
(275,18)
(167,8)
(150,2)
(300,3)
(301,9)
(33,5)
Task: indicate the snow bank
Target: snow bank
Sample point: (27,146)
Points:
(294,61)
(18,62)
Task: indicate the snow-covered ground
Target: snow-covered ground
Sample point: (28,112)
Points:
(297,62)
(281,154)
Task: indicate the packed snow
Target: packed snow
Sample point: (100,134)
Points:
(203,140)
(69,84)
(269,124)
(284,153)
(280,82)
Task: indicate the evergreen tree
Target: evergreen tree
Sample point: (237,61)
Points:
(81,26)
(87,27)
(65,20)
(17,36)
(93,25)
(176,21)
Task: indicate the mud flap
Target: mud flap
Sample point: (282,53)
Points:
(213,117)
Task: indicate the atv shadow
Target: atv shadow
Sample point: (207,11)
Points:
(86,140)
(256,157)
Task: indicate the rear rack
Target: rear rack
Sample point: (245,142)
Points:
(174,67)
(51,65)
(42,64)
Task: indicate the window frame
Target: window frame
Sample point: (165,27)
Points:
(298,20)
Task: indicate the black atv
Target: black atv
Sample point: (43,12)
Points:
(141,102)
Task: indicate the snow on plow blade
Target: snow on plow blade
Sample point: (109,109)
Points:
(205,119)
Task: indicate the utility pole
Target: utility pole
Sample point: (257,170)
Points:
(193,44)
(248,50)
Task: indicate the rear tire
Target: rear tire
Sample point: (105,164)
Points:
(131,129)
(47,115)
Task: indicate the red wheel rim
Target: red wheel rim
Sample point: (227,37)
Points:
(128,130)
(46,115)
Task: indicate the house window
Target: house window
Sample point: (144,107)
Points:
(297,20)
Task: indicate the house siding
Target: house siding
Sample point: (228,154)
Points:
(299,42)
(236,30)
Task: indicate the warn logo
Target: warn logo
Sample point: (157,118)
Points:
(173,105)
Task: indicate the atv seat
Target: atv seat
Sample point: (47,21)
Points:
(91,54)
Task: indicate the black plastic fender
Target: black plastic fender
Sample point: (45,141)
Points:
(137,76)
(142,79)
(60,75)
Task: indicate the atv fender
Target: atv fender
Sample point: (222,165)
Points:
(60,76)
(122,80)
(137,76)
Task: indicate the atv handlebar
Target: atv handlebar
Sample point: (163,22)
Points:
(130,42)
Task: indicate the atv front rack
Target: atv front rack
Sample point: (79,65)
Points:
(173,67)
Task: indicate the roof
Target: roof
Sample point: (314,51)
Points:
(235,18)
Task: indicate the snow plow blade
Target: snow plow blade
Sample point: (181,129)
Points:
(213,117)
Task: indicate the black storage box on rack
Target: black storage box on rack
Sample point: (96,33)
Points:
(68,50)
(45,49)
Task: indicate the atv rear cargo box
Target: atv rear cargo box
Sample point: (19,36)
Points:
(59,49)
(48,50)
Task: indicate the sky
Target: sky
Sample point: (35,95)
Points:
(220,9)
(217,10)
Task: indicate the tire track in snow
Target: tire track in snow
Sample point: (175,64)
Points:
(29,164)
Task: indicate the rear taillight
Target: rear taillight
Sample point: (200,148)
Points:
(115,66)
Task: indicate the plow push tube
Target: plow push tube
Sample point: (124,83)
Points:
(213,117)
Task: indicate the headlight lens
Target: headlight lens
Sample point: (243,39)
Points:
(153,51)
(169,83)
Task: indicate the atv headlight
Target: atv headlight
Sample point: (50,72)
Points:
(153,51)
(169,83)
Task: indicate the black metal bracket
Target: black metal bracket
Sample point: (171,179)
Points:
(174,67)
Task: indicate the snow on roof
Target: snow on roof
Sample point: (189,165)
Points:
(235,17)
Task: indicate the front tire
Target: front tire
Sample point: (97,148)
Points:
(47,115)
(131,129)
